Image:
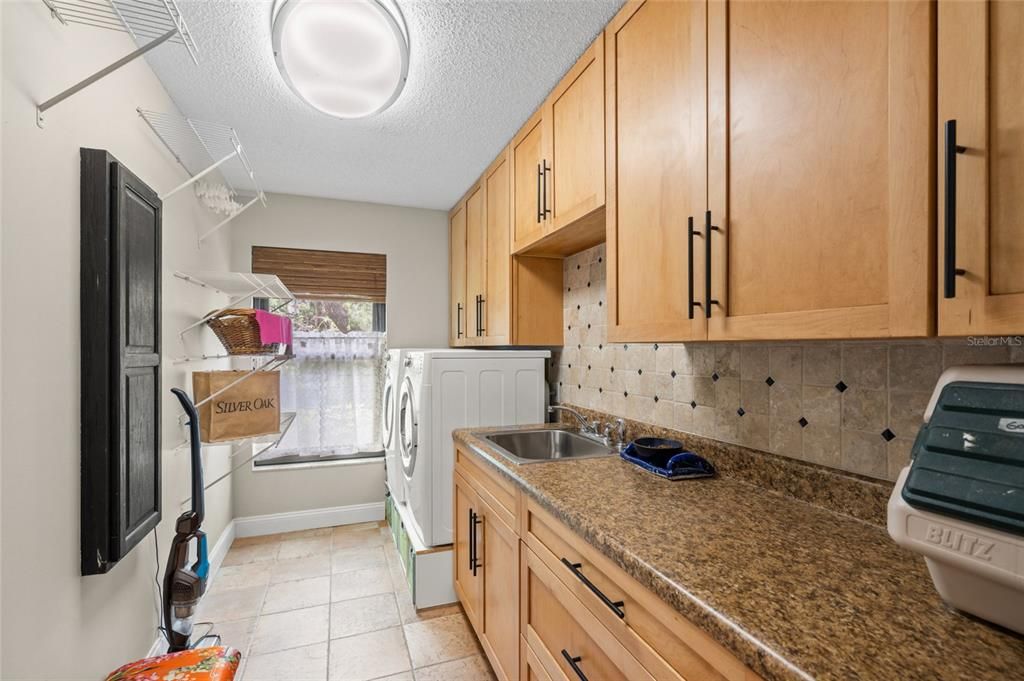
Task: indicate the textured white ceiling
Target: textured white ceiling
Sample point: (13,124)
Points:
(477,69)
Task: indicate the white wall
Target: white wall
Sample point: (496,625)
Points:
(415,242)
(55,623)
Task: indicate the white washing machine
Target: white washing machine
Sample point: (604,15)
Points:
(394,371)
(443,390)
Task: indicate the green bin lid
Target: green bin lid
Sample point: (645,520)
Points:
(968,460)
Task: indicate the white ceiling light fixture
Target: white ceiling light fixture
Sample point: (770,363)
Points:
(346,58)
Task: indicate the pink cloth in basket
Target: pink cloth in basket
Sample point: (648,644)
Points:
(274,328)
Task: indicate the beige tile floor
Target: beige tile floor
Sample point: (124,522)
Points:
(333,605)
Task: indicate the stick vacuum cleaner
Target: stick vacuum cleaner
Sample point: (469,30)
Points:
(185,584)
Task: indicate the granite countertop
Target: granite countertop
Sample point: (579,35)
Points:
(793,590)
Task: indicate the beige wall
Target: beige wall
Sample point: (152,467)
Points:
(55,623)
(416,244)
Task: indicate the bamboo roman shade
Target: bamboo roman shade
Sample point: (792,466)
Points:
(325,274)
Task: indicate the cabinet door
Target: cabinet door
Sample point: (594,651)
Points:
(657,168)
(981,88)
(476,260)
(497,298)
(575,120)
(457,275)
(820,169)
(529,217)
(468,580)
(499,561)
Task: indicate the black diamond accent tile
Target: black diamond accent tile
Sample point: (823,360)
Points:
(693,405)
(655,398)
(888,435)
(588,325)
(740,411)
(803,422)
(625,393)
(577,307)
(588,284)
(588,367)
(600,303)
(570,327)
(714,376)
(600,346)
(673,374)
(579,387)
(841,387)
(639,372)
(770,381)
(613,370)
(577,266)
(625,346)
(600,259)
(655,346)
(600,390)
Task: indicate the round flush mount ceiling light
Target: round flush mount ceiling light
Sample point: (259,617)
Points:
(346,58)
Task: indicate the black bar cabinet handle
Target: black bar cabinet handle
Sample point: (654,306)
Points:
(547,169)
(691,303)
(615,606)
(574,663)
(472,539)
(709,301)
(950,271)
(480,316)
(474,520)
(458,320)
(540,178)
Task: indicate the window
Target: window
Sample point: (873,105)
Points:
(334,383)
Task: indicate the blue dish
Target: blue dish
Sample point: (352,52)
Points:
(677,466)
(648,447)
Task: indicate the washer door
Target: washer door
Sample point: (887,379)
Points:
(388,425)
(407,427)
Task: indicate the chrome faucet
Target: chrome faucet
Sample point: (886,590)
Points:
(586,427)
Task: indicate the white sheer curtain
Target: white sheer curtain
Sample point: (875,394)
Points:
(334,386)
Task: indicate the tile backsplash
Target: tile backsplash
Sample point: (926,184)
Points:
(853,405)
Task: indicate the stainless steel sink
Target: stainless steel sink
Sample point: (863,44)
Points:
(536,446)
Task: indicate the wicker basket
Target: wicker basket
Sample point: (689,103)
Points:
(239,333)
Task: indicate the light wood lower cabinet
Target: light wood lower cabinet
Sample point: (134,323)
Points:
(545,603)
(981,222)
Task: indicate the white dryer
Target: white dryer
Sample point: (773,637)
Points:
(443,390)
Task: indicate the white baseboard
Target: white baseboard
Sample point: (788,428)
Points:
(257,525)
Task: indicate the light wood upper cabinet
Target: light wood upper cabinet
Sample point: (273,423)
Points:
(575,123)
(497,213)
(497,298)
(558,165)
(476,260)
(457,274)
(981,88)
(657,169)
(529,216)
(820,180)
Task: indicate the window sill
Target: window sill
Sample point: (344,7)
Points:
(317,464)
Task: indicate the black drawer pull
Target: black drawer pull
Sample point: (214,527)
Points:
(540,178)
(547,169)
(950,271)
(474,562)
(616,606)
(708,300)
(691,303)
(574,663)
(458,320)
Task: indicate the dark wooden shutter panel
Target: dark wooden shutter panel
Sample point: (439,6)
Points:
(325,274)
(121,279)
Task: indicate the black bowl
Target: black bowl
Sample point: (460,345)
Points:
(646,447)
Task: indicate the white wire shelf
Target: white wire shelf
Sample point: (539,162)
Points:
(149,22)
(259,444)
(239,287)
(202,147)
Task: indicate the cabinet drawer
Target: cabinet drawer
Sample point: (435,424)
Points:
(497,492)
(568,640)
(664,642)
